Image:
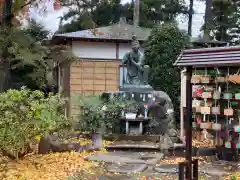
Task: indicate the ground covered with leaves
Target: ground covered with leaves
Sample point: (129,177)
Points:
(71,166)
(54,166)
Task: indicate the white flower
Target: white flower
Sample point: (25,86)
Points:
(169,111)
(104,108)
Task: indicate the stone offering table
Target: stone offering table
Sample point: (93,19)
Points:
(138,120)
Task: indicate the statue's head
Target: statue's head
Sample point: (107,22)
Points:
(135,43)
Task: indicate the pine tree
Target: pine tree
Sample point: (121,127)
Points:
(89,15)
(11,13)
(105,12)
(226,26)
(25,59)
(221,20)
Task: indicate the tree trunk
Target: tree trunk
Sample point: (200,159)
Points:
(136,13)
(208,20)
(4,63)
(222,28)
(190,15)
(4,75)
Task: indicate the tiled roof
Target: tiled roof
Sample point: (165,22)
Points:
(202,40)
(113,32)
(219,56)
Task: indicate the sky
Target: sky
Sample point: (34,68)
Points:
(51,19)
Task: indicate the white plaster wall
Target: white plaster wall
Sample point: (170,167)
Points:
(98,50)
(125,47)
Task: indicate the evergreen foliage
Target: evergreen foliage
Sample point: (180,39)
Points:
(104,13)
(224,20)
(226,25)
(162,49)
(28,56)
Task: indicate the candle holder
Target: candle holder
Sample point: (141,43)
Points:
(145,111)
(122,112)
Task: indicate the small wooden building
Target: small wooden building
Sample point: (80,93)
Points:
(100,52)
(197,43)
(205,58)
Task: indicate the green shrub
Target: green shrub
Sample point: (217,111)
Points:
(95,114)
(90,113)
(25,114)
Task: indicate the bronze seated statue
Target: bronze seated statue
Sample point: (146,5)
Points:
(137,71)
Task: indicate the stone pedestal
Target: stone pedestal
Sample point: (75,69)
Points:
(136,88)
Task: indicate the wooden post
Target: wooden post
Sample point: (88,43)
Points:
(7,13)
(188,123)
(182,103)
(181,167)
(94,74)
(105,75)
(195,169)
(81,65)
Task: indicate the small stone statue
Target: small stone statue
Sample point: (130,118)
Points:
(137,71)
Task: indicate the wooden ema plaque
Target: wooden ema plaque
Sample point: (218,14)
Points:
(206,95)
(205,110)
(227,96)
(237,129)
(216,95)
(237,96)
(205,79)
(228,112)
(220,79)
(216,110)
(195,79)
(228,145)
(206,125)
(216,126)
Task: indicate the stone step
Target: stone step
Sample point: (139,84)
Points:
(117,177)
(195,151)
(126,168)
(211,170)
(123,137)
(178,149)
(122,157)
(126,144)
(148,138)
(141,145)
